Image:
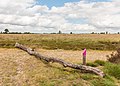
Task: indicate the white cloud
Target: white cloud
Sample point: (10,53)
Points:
(20,15)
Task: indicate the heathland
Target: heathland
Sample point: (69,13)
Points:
(63,41)
(17,68)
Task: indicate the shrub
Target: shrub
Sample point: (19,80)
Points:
(100,62)
(114,57)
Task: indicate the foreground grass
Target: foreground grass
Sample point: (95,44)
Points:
(20,69)
(63,41)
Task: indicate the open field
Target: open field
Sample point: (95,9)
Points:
(63,41)
(17,68)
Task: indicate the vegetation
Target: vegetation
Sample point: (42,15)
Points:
(114,57)
(96,63)
(59,32)
(113,70)
(71,32)
(92,64)
(100,62)
(63,41)
(6,31)
(19,68)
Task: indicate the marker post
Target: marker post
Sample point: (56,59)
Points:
(84,57)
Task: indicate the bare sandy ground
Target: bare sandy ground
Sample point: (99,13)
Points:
(75,56)
(68,55)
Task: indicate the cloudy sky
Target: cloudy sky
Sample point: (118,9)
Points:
(78,16)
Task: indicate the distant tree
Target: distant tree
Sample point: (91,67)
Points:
(118,33)
(93,33)
(27,33)
(59,32)
(106,32)
(52,33)
(102,33)
(6,30)
(15,33)
(71,33)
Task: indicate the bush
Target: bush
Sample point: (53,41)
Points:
(114,57)
(100,62)
(113,70)
(92,64)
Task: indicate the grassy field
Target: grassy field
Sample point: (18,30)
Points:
(63,41)
(17,68)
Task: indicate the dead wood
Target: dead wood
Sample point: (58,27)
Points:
(60,61)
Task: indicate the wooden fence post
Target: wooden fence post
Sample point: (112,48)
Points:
(84,57)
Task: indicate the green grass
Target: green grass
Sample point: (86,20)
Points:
(92,64)
(96,63)
(112,69)
(100,62)
(103,82)
(98,81)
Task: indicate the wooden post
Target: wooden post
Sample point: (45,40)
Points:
(84,57)
(84,60)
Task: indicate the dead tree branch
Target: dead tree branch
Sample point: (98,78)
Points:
(60,61)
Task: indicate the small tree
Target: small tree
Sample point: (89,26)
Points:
(93,33)
(106,32)
(59,32)
(71,33)
(6,30)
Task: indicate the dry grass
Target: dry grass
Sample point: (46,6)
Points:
(63,41)
(113,37)
(17,68)
(75,56)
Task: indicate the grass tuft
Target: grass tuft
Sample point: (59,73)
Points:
(92,64)
(100,62)
(112,69)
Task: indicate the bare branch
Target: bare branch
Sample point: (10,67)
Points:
(60,61)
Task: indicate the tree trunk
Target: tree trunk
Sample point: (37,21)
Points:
(60,61)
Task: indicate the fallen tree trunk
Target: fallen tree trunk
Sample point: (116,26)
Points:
(60,61)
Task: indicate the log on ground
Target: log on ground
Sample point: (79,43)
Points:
(60,61)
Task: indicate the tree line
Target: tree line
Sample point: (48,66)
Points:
(6,31)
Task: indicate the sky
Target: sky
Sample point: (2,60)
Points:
(50,16)
(56,3)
